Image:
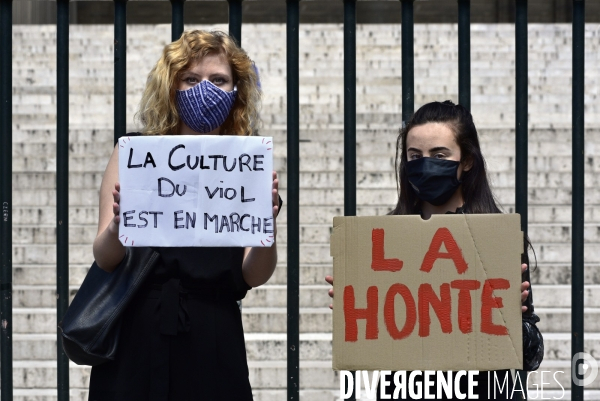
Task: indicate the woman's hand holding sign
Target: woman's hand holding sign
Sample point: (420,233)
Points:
(259,263)
(117,198)
(108,223)
(524,288)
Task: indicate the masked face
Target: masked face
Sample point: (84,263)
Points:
(205,95)
(434,167)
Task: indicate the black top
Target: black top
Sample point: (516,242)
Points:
(199,267)
(181,338)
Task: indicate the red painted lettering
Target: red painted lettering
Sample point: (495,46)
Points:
(444,237)
(489,302)
(389,313)
(378,260)
(465,319)
(441,307)
(352,314)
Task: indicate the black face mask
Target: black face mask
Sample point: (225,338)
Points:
(434,180)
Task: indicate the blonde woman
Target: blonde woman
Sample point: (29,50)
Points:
(182,336)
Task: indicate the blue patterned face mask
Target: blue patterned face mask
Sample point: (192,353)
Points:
(205,106)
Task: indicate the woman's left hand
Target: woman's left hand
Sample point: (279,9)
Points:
(259,262)
(275,196)
(524,288)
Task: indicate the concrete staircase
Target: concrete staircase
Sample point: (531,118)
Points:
(321,178)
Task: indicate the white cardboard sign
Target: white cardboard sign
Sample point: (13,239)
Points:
(200,190)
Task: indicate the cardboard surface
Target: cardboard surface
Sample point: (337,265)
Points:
(413,294)
(202,190)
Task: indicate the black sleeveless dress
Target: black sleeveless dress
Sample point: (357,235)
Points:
(182,337)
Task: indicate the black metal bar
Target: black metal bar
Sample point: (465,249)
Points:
(293,199)
(176,19)
(350,113)
(521,105)
(408,61)
(120,69)
(521,123)
(6,346)
(62,189)
(235,20)
(349,107)
(578,193)
(464,53)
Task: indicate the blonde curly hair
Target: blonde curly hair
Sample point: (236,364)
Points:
(158,110)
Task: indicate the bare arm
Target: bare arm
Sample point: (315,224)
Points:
(259,263)
(108,250)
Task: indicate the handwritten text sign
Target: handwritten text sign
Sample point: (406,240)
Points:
(196,191)
(437,294)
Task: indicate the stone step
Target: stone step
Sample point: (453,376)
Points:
(332,148)
(39,215)
(311,296)
(309,274)
(384,134)
(309,253)
(309,215)
(309,233)
(46,254)
(44,274)
(36,234)
(559,296)
(314,180)
(319,319)
(326,196)
(272,346)
(47,180)
(550,273)
(311,163)
(259,346)
(76,148)
(318,346)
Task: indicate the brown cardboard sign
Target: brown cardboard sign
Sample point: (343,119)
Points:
(437,294)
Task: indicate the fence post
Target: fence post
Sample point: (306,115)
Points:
(120,68)
(464,53)
(408,61)
(176,19)
(235,20)
(521,127)
(293,201)
(349,107)
(62,188)
(577,245)
(6,346)
(521,104)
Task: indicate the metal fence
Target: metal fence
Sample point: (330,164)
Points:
(293,172)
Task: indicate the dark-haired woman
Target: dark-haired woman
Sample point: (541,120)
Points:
(441,170)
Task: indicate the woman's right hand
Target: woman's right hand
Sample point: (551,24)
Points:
(108,249)
(113,226)
(329,279)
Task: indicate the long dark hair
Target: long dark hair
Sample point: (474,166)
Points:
(476,190)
